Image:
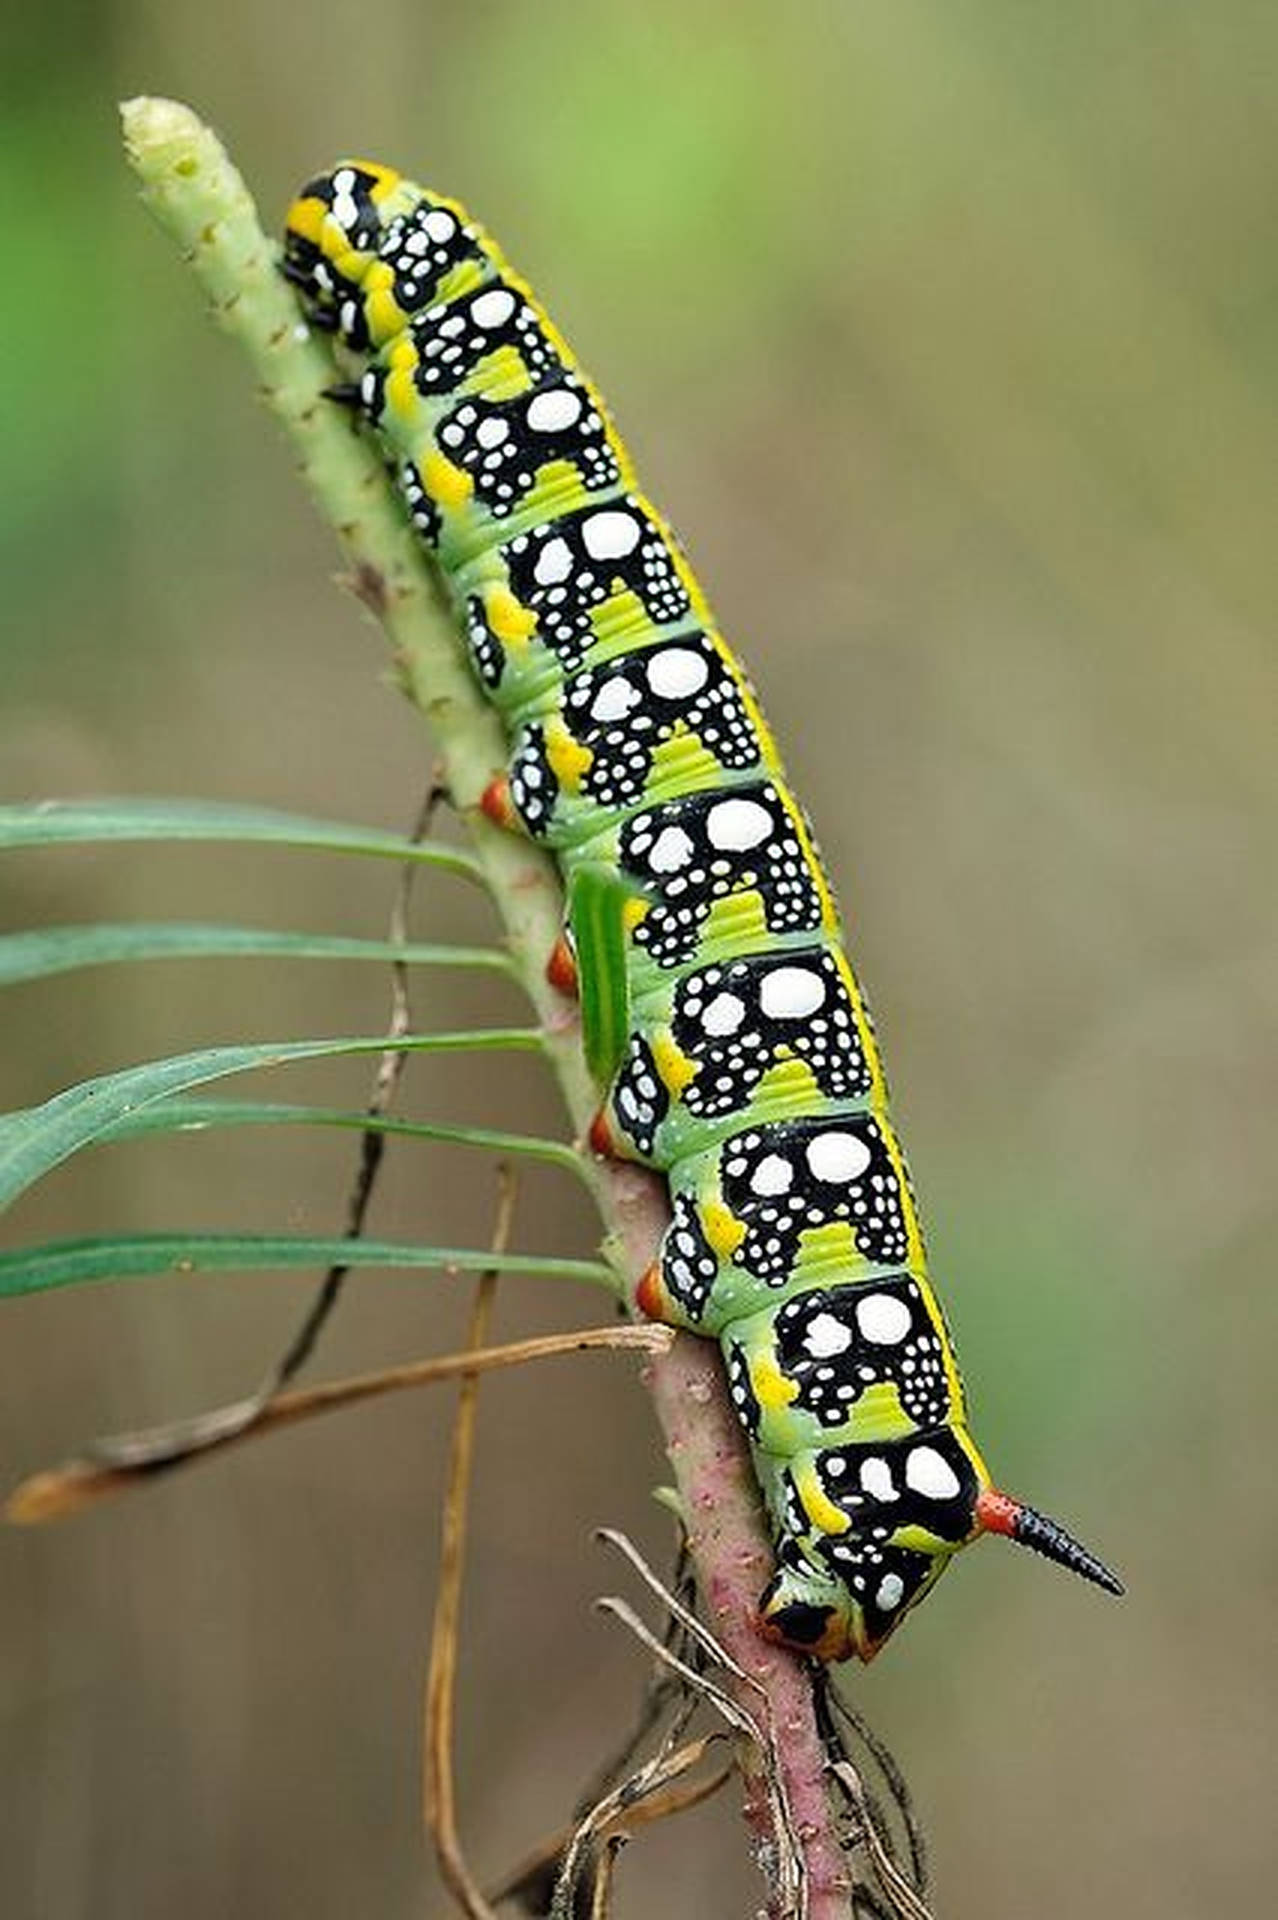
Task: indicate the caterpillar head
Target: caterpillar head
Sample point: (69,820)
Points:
(330,243)
(367,250)
(867,1530)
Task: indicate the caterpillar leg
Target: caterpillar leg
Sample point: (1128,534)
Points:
(561,968)
(496,804)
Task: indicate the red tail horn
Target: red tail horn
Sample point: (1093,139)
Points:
(998,1513)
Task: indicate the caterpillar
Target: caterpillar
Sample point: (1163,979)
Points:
(720,1014)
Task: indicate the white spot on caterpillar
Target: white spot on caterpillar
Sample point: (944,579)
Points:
(930,1473)
(883,1319)
(494,308)
(723,1016)
(827,1336)
(890,1589)
(671,850)
(791,993)
(734,826)
(554,563)
(772,1176)
(491,432)
(610,535)
(548,412)
(676,673)
(614,700)
(837,1158)
(439,225)
(876,1478)
(345,211)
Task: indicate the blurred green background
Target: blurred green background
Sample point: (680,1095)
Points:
(946,334)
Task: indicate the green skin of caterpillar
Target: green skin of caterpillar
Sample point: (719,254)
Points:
(720,1011)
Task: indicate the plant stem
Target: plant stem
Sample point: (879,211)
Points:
(190,185)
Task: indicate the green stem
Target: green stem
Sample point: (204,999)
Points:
(190,185)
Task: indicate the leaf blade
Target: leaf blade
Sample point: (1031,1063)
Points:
(36,1139)
(39,953)
(68,1263)
(177,1115)
(47,823)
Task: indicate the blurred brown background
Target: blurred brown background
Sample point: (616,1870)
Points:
(946,333)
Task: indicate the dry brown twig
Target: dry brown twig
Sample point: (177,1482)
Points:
(906,1903)
(831,1701)
(439,1797)
(787,1872)
(58,1492)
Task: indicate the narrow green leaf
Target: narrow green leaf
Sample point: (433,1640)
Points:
(31,956)
(194,1116)
(71,1263)
(45,823)
(597,903)
(38,1138)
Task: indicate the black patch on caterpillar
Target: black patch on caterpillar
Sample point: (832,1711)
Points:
(835,1343)
(640,1102)
(534,786)
(423,513)
(688,853)
(487,655)
(563,568)
(799,1622)
(689,1265)
(781,1179)
(744,1398)
(736,1019)
(453,339)
(331,299)
(624,710)
(504,444)
(883,1580)
(422,248)
(925,1480)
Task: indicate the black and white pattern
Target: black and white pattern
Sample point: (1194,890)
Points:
(689,853)
(782,1180)
(748,1070)
(639,1100)
(689,1264)
(624,710)
(835,1343)
(534,785)
(422,248)
(619,715)
(562,570)
(454,339)
(925,1481)
(504,444)
(737,1020)
(422,510)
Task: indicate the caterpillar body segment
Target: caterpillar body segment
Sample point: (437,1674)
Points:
(721,1016)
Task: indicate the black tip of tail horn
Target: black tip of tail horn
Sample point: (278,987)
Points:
(1048,1537)
(999,1513)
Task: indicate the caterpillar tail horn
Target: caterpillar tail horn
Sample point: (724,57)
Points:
(998,1513)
